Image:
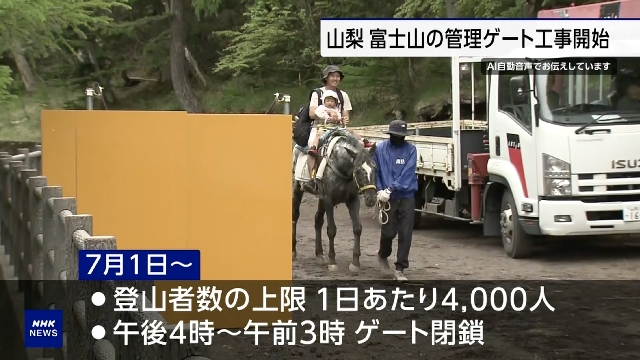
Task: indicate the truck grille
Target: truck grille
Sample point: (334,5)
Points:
(620,183)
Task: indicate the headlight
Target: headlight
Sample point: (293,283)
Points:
(557,176)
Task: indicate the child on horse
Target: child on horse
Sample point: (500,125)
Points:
(326,113)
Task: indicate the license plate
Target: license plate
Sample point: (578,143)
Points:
(631,213)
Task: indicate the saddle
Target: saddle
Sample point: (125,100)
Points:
(323,144)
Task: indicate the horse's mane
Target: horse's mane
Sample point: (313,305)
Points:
(351,140)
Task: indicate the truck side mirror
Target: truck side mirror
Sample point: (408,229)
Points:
(518,91)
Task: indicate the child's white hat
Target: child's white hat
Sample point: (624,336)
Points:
(330,93)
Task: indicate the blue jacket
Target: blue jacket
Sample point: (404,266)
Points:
(396,169)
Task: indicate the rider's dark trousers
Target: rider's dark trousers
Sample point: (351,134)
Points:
(401,217)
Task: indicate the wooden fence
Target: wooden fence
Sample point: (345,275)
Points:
(42,233)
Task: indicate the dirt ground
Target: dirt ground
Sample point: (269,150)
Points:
(592,319)
(450,250)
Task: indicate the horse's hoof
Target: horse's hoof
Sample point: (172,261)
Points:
(333,267)
(320,260)
(354,269)
(294,255)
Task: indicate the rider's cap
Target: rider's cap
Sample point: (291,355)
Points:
(330,93)
(331,69)
(398,127)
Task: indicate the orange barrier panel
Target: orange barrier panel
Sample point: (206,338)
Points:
(168,180)
(58,129)
(131,168)
(240,195)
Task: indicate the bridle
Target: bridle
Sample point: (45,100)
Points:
(362,189)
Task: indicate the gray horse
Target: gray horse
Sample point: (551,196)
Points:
(350,172)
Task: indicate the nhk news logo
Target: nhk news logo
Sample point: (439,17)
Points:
(43,328)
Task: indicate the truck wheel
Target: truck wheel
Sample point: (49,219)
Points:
(516,242)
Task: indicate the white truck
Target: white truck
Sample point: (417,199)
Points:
(532,168)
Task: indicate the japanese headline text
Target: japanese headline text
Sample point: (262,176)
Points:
(465,328)
(542,39)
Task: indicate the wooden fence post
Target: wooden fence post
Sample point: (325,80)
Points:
(43,235)
(36,206)
(24,236)
(79,338)
(98,315)
(5,204)
(17,249)
(50,235)
(26,161)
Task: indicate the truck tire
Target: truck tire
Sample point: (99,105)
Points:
(516,242)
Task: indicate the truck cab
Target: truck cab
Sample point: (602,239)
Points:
(556,154)
(563,157)
(604,10)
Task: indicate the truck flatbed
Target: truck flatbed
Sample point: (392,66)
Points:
(464,125)
(435,145)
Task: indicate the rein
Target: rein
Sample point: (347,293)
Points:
(383,208)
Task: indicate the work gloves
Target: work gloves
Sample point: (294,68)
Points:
(384,195)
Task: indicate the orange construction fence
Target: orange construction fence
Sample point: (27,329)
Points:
(172,180)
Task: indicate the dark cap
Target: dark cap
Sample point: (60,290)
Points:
(398,127)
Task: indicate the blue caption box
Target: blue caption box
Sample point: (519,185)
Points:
(139,265)
(43,328)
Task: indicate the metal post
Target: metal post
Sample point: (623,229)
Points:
(89,92)
(287,104)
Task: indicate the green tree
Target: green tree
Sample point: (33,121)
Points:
(42,26)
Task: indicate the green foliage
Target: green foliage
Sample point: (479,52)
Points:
(273,38)
(206,8)
(5,82)
(248,49)
(43,25)
(420,8)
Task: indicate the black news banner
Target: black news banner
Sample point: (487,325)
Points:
(434,319)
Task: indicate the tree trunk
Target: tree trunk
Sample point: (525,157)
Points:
(181,85)
(28,79)
(451,8)
(194,67)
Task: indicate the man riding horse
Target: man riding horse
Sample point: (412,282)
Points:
(338,115)
(346,171)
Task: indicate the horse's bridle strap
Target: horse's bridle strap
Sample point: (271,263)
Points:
(368,187)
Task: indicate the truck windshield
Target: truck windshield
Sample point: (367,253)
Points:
(574,96)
